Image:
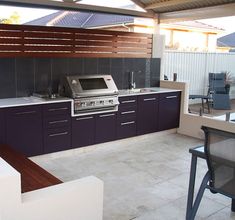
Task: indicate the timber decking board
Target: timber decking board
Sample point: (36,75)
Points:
(33,177)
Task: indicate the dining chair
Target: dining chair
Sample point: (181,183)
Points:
(220,157)
(219,91)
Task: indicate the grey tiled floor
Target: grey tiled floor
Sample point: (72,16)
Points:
(145,178)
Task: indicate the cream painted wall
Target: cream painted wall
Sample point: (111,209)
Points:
(190,124)
(80,199)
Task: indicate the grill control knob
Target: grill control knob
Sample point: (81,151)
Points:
(83,104)
(102,102)
(111,101)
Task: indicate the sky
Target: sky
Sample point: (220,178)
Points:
(108,3)
(226,23)
(27,14)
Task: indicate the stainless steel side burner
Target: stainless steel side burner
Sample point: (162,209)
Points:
(92,93)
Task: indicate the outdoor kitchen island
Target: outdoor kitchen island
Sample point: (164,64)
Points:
(35,126)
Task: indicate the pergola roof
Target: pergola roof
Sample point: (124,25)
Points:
(165,10)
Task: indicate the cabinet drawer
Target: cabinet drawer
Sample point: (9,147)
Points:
(57,139)
(148,98)
(128,101)
(24,111)
(170,95)
(127,112)
(126,128)
(57,121)
(57,109)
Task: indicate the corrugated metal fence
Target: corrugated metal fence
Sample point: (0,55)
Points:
(194,67)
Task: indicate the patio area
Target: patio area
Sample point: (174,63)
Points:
(195,109)
(145,178)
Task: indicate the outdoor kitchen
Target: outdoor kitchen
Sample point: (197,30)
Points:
(91,130)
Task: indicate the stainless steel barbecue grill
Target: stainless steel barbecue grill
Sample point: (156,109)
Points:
(91,93)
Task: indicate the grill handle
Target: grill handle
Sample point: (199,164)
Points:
(85,118)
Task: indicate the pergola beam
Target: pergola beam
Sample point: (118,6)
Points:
(57,5)
(167,4)
(137,2)
(140,4)
(200,13)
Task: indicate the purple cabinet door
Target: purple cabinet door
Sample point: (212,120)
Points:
(2,127)
(24,129)
(105,127)
(83,131)
(147,116)
(169,110)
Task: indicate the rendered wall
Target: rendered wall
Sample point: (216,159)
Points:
(80,199)
(190,124)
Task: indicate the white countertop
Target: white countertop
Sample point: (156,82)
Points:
(23,101)
(32,100)
(144,91)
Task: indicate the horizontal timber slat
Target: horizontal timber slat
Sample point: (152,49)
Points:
(71,55)
(109,44)
(95,37)
(46,35)
(11,34)
(67,29)
(23,40)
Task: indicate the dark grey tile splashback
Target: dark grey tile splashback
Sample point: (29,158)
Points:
(23,76)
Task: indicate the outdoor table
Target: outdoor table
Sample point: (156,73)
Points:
(197,152)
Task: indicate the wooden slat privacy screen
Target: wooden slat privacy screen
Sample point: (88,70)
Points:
(23,40)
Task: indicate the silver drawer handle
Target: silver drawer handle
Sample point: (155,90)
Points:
(108,115)
(129,101)
(128,123)
(58,134)
(56,122)
(57,109)
(24,113)
(150,99)
(171,97)
(129,112)
(85,118)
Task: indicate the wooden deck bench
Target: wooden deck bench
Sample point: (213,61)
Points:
(33,177)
